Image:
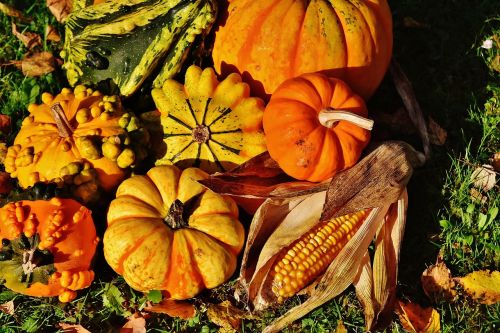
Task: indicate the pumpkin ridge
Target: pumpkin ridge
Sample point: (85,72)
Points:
(134,248)
(216,159)
(181,151)
(293,68)
(223,113)
(231,149)
(179,121)
(190,107)
(205,110)
(142,201)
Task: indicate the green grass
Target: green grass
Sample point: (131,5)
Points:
(457,84)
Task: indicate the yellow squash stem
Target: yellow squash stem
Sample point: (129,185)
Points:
(309,256)
(328,117)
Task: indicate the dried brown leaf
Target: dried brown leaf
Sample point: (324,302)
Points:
(377,179)
(437,135)
(11,11)
(495,161)
(416,319)
(484,178)
(482,286)
(478,196)
(410,22)
(136,323)
(5,182)
(180,309)
(59,8)
(29,39)
(226,316)
(5,124)
(438,283)
(407,94)
(7,307)
(52,34)
(72,328)
(38,64)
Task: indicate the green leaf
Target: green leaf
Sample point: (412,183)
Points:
(445,224)
(492,212)
(468,239)
(481,221)
(154,296)
(113,300)
(470,208)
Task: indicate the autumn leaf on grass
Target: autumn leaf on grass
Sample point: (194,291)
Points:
(484,178)
(136,323)
(59,8)
(340,327)
(12,12)
(416,319)
(437,135)
(438,283)
(495,161)
(29,39)
(5,124)
(7,307)
(181,309)
(482,286)
(71,328)
(52,34)
(36,64)
(226,316)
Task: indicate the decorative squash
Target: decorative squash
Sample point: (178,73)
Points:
(347,39)
(47,247)
(315,126)
(130,41)
(81,138)
(167,232)
(211,125)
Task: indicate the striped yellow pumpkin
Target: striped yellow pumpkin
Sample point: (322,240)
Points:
(208,124)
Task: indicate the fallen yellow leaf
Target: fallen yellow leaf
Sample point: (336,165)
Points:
(416,319)
(10,11)
(136,323)
(438,283)
(482,286)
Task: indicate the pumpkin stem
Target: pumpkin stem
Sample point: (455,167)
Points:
(63,125)
(175,218)
(329,116)
(201,134)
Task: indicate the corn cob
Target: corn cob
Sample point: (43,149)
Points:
(309,256)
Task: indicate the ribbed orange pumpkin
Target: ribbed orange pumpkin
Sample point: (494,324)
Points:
(315,126)
(269,41)
(47,247)
(167,232)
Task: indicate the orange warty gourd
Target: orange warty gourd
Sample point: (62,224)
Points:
(79,137)
(315,126)
(269,41)
(47,247)
(167,232)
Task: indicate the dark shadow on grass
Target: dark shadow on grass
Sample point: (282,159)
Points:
(439,58)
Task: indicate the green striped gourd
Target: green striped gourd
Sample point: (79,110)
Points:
(128,41)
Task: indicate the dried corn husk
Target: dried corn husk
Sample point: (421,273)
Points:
(378,182)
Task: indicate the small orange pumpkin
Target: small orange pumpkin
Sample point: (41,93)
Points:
(167,232)
(47,247)
(315,126)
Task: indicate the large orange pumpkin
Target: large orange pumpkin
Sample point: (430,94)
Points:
(269,41)
(47,247)
(167,232)
(315,126)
